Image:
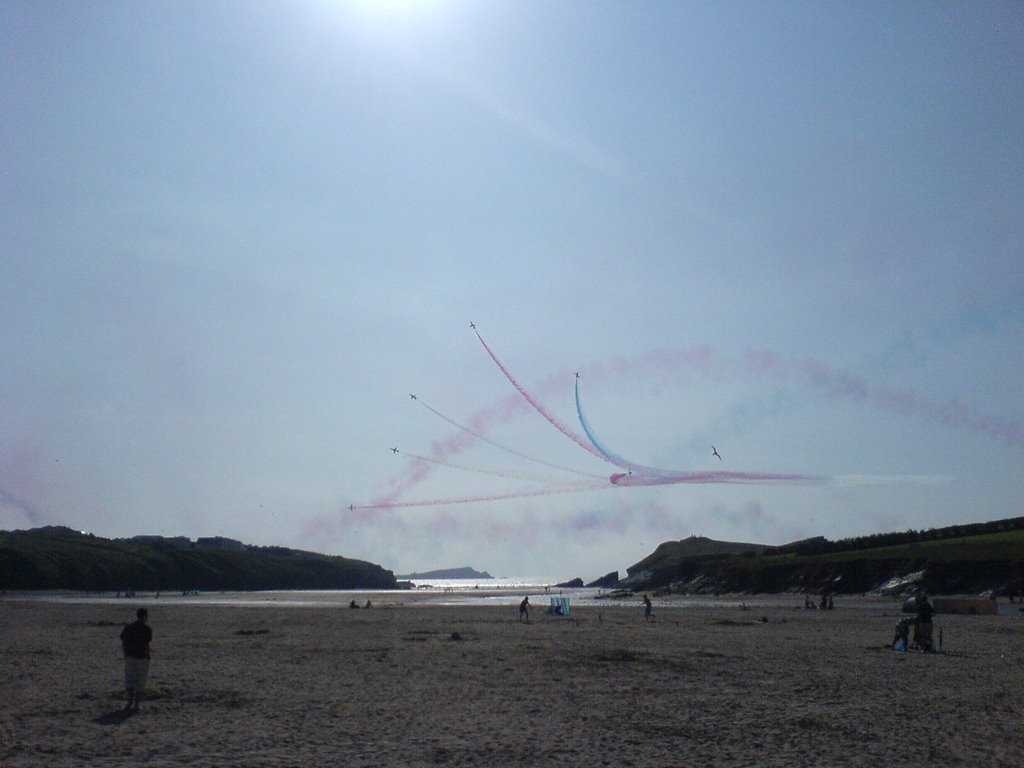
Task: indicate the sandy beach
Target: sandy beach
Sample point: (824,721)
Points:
(413,683)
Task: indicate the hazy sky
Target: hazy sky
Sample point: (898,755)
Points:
(236,236)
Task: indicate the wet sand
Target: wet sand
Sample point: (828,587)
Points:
(410,683)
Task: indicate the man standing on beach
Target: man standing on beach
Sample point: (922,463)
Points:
(135,642)
(925,611)
(524,610)
(647,608)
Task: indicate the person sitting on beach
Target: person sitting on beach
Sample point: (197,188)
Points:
(902,636)
(135,643)
(353,604)
(524,610)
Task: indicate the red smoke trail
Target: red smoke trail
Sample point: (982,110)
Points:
(950,413)
(553,420)
(568,488)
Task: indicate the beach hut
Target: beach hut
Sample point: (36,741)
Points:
(559,606)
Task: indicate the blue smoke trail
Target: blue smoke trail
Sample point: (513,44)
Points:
(653,476)
(614,458)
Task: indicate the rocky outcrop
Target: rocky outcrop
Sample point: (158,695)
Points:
(607,581)
(572,584)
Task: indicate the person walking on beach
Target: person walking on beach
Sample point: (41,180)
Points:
(135,643)
(647,608)
(524,610)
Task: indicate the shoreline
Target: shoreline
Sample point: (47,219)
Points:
(392,598)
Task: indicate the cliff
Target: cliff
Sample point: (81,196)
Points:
(61,558)
(966,559)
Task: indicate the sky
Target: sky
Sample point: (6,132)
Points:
(235,238)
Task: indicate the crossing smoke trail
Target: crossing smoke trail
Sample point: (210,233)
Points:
(614,458)
(483,420)
(505,448)
(506,473)
(653,476)
(660,366)
(554,421)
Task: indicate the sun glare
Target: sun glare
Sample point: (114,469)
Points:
(400,11)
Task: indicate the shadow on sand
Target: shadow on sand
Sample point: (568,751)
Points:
(116,717)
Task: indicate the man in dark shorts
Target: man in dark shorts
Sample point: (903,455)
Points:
(135,640)
(524,610)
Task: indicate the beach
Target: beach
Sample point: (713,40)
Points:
(415,681)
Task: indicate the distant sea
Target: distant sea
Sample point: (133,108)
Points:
(500,583)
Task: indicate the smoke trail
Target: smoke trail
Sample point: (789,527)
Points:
(568,488)
(949,413)
(653,476)
(505,448)
(670,477)
(708,364)
(892,480)
(510,474)
(611,457)
(554,421)
(416,472)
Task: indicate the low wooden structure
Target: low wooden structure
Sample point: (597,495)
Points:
(967,606)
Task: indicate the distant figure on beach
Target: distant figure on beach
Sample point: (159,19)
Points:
(925,611)
(647,608)
(353,604)
(808,603)
(524,610)
(135,643)
(368,604)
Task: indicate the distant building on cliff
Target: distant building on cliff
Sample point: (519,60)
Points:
(219,542)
